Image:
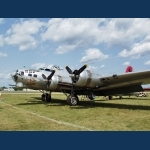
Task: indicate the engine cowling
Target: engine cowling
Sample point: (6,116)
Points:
(53,83)
(88,79)
(62,81)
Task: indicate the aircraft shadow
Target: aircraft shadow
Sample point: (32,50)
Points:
(86,104)
(54,102)
(129,98)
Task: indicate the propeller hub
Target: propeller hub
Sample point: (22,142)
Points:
(76,73)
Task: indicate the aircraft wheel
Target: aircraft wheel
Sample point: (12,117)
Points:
(120,97)
(48,97)
(43,97)
(72,100)
(110,97)
(91,96)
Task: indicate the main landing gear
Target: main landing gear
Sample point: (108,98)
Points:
(72,100)
(46,97)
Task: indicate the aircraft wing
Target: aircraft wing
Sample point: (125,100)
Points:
(124,83)
(126,79)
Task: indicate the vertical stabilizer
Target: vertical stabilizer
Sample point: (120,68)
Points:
(129,69)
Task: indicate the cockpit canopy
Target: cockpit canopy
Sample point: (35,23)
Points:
(45,69)
(50,70)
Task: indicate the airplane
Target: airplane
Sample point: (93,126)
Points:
(79,82)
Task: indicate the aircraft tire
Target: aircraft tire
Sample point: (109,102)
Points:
(48,97)
(43,97)
(110,97)
(72,100)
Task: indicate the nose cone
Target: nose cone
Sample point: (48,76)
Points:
(14,75)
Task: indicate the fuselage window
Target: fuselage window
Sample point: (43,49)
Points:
(22,73)
(30,75)
(40,69)
(35,75)
(48,70)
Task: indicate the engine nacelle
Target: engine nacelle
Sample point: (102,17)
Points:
(88,79)
(59,80)
(54,83)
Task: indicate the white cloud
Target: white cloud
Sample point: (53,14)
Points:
(1,40)
(1,20)
(23,34)
(75,33)
(40,65)
(65,48)
(90,67)
(5,76)
(3,54)
(102,66)
(139,49)
(126,63)
(93,54)
(147,63)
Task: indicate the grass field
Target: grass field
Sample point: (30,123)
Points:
(27,112)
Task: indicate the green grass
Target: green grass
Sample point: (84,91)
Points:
(129,114)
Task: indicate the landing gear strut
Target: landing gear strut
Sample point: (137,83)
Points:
(72,100)
(46,97)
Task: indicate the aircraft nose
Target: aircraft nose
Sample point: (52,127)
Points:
(14,75)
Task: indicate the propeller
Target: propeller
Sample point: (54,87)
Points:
(75,74)
(14,75)
(49,77)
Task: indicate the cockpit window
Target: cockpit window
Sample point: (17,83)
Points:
(40,69)
(26,71)
(30,75)
(35,75)
(22,73)
(48,70)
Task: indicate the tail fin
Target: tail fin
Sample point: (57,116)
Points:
(129,69)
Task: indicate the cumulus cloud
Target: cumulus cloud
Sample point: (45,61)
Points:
(93,54)
(102,66)
(1,20)
(65,48)
(1,40)
(40,65)
(126,63)
(129,34)
(74,33)
(147,63)
(139,49)
(3,54)
(23,34)
(5,76)
(90,67)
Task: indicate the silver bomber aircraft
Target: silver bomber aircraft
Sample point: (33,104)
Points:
(79,82)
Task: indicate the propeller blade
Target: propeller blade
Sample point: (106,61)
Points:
(80,70)
(69,70)
(50,76)
(44,77)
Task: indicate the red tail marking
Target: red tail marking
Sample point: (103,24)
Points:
(129,69)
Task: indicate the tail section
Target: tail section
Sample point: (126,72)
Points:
(129,69)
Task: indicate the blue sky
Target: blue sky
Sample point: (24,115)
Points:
(107,45)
